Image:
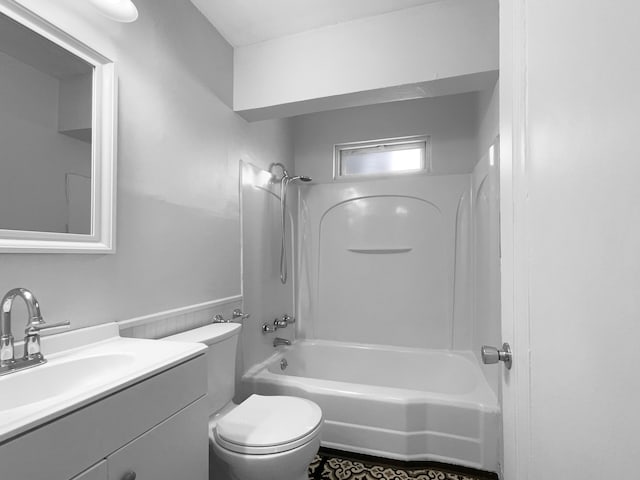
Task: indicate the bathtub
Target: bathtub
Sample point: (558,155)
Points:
(402,403)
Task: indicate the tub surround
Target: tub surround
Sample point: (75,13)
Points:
(401,299)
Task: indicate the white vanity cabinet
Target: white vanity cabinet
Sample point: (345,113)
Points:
(97,472)
(177,449)
(155,429)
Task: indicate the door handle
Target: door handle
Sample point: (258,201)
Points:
(493,355)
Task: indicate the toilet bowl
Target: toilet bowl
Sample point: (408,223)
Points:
(266,438)
(262,438)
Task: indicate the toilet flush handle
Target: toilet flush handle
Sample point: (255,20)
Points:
(238,314)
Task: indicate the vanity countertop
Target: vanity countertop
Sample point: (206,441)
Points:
(83,366)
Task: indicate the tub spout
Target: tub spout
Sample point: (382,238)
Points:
(281,341)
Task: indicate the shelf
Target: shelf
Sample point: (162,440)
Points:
(381,250)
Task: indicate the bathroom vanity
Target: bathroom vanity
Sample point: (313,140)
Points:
(112,409)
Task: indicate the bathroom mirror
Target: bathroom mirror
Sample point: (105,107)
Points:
(57,139)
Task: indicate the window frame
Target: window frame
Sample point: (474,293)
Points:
(384,142)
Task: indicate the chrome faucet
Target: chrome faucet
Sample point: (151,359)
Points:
(281,341)
(32,355)
(284,321)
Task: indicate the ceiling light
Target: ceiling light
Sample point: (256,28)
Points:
(118,10)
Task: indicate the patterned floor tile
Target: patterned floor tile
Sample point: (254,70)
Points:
(329,467)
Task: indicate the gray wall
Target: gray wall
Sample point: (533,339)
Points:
(178,238)
(450,120)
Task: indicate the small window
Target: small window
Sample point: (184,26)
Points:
(382,157)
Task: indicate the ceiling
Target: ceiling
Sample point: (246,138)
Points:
(243,22)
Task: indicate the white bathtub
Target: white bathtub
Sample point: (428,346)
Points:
(401,403)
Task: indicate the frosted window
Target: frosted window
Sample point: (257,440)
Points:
(388,158)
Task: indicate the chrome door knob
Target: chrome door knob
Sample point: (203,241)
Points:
(493,355)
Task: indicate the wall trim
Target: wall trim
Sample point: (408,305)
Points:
(154,317)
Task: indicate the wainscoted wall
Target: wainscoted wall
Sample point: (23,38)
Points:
(162,324)
(178,225)
(170,322)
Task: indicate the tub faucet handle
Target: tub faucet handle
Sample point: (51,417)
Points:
(266,328)
(280,323)
(288,318)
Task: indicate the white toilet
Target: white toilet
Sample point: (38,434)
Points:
(263,438)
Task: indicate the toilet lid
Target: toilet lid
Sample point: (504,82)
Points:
(269,424)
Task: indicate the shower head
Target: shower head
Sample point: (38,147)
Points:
(281,167)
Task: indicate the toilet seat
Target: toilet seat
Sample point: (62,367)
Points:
(268,424)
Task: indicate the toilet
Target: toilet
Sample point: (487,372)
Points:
(264,437)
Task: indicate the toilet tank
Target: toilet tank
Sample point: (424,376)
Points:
(222,342)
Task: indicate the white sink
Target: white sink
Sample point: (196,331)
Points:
(44,383)
(82,366)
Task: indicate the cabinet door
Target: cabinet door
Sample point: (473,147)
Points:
(97,472)
(177,449)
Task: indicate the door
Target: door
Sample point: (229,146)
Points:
(570,213)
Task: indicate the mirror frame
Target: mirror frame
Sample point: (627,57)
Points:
(103,150)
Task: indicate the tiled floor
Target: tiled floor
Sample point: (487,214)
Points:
(331,466)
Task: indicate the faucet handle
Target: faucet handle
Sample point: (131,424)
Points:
(6,351)
(32,351)
(280,323)
(34,328)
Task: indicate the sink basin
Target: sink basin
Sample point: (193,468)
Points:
(83,366)
(51,380)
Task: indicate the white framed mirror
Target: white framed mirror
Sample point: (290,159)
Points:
(57,139)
